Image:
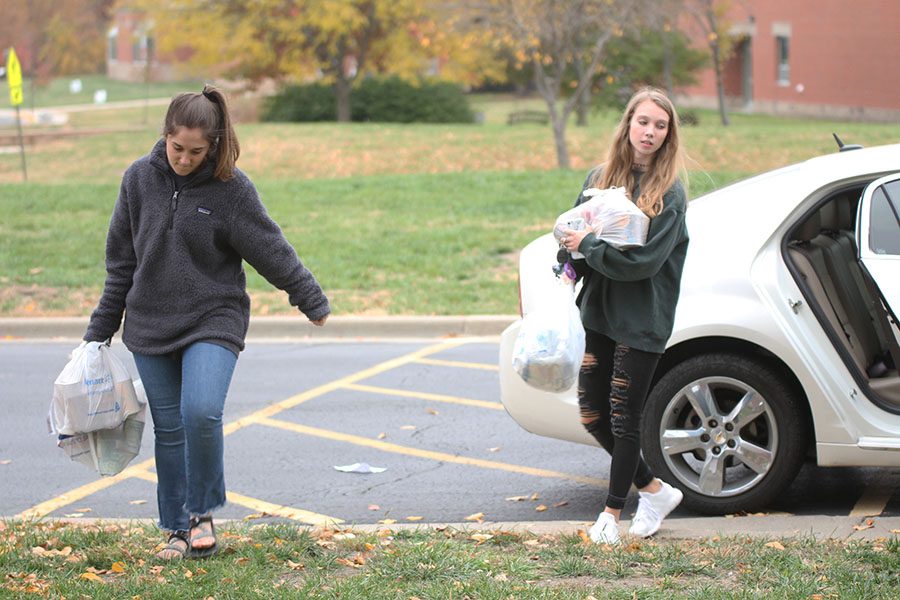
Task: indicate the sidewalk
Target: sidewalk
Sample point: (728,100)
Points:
(291,327)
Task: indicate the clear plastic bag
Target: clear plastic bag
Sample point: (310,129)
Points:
(549,349)
(94,391)
(108,451)
(610,215)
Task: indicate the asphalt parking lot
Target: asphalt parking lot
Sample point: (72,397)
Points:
(425,411)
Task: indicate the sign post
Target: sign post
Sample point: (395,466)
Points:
(14,79)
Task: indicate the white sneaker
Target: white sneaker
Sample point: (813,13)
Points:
(605,530)
(653,508)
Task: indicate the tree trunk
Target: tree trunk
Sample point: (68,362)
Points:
(342,99)
(582,108)
(720,84)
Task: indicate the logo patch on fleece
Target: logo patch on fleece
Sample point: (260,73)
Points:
(203,211)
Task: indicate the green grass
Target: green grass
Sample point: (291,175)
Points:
(56,92)
(50,559)
(391,244)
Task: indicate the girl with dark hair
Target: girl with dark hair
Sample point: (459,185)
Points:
(184,220)
(627,304)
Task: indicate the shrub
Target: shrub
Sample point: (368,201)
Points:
(310,102)
(384,100)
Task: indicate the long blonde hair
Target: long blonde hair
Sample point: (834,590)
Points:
(666,164)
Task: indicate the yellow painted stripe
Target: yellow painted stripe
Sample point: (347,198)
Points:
(457,364)
(429,454)
(261,506)
(423,396)
(274,409)
(44,508)
(874,500)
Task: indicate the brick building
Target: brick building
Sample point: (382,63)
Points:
(827,58)
(131,51)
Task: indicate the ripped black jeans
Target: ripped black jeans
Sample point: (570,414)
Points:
(612,388)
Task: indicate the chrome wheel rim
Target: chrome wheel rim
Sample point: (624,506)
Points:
(718,436)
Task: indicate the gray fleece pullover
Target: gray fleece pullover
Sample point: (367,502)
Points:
(173,260)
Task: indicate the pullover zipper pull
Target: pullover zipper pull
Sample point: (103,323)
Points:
(174,208)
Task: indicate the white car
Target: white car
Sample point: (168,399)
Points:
(785,337)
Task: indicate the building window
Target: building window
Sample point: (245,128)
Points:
(784,66)
(112,38)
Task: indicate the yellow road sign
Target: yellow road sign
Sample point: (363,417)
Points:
(13,69)
(14,78)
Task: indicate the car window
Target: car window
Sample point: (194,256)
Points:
(884,228)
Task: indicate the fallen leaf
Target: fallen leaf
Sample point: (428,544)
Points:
(241,560)
(388,521)
(295,566)
(480,537)
(867,524)
(517,498)
(895,530)
(535,497)
(540,508)
(475,517)
(408,427)
(374,507)
(432,411)
(74,515)
(5,461)
(494,449)
(344,536)
(775,545)
(83,510)
(414,518)
(136,502)
(559,504)
(36,270)
(91,577)
(382,435)
(117,567)
(584,536)
(188,574)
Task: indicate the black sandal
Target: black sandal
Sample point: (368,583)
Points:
(174,544)
(203,552)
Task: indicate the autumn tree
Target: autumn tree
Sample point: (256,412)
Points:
(711,17)
(62,37)
(332,40)
(555,37)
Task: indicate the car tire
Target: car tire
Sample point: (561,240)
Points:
(733,459)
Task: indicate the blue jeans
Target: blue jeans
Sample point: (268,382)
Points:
(186,392)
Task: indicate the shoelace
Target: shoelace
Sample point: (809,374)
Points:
(646,511)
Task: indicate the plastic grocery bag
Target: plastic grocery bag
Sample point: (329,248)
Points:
(94,391)
(549,349)
(108,451)
(610,215)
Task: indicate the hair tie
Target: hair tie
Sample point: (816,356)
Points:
(208,95)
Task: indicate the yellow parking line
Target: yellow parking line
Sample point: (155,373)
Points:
(44,508)
(261,506)
(456,363)
(873,501)
(429,454)
(423,396)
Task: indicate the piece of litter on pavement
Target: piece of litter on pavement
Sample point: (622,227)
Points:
(360,468)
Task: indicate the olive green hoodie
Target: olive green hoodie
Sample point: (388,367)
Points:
(630,295)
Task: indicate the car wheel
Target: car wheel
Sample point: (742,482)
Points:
(725,429)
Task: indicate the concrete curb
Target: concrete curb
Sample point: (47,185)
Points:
(688,528)
(291,327)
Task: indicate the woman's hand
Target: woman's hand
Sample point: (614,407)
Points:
(571,239)
(319,322)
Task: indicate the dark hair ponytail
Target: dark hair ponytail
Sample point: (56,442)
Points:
(208,111)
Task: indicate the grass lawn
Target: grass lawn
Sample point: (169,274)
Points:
(393,219)
(57,560)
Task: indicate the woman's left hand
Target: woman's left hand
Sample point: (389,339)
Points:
(319,322)
(571,239)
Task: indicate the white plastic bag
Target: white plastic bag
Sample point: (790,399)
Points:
(610,215)
(94,391)
(549,349)
(108,451)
